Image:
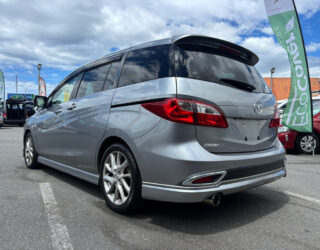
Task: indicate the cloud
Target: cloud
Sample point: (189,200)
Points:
(312,47)
(26,87)
(270,53)
(66,34)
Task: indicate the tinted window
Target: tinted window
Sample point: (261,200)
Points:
(64,93)
(147,64)
(114,68)
(211,65)
(93,81)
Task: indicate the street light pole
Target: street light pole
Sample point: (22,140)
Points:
(272,70)
(16,83)
(39,68)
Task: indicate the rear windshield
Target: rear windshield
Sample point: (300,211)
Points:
(211,65)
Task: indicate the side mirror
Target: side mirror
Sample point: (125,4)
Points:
(40,101)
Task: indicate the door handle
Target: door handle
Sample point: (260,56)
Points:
(58,111)
(72,106)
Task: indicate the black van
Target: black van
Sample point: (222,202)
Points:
(16,112)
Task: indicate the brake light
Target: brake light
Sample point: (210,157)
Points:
(275,122)
(4,115)
(188,111)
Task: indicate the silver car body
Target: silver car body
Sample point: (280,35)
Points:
(169,155)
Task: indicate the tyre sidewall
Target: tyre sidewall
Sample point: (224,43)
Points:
(134,198)
(34,163)
(300,150)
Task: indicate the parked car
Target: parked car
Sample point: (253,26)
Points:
(303,142)
(282,104)
(182,119)
(2,114)
(15,112)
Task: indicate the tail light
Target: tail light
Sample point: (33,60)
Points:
(188,111)
(4,115)
(275,122)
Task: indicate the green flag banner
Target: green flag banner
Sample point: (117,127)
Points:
(2,94)
(286,27)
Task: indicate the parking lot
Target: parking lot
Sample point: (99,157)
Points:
(47,209)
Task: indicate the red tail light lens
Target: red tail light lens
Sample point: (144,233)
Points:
(275,122)
(4,115)
(187,111)
(206,179)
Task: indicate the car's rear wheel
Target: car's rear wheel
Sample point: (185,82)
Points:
(120,179)
(306,142)
(30,153)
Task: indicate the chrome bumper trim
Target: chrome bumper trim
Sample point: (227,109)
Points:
(172,193)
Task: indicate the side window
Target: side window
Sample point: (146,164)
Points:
(64,93)
(114,68)
(93,81)
(147,64)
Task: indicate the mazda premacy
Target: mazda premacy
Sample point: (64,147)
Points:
(183,119)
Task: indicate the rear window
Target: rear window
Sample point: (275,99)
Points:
(147,64)
(93,81)
(211,65)
(113,71)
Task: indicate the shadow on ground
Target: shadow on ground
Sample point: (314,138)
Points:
(235,210)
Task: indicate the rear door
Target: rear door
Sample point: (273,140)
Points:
(86,116)
(223,74)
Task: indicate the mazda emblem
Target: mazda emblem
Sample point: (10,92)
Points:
(258,108)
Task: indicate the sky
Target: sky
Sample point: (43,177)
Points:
(63,35)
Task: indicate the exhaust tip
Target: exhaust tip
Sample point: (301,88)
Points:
(215,200)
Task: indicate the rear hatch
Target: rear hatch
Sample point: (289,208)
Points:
(223,74)
(15,111)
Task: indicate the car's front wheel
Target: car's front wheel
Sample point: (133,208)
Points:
(120,179)
(306,142)
(30,154)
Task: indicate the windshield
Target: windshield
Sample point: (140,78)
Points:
(212,65)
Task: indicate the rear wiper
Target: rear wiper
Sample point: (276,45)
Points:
(238,84)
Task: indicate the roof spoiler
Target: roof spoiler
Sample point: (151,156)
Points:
(235,51)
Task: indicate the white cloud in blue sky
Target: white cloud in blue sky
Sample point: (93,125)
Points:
(63,35)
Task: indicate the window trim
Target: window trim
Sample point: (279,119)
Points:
(108,62)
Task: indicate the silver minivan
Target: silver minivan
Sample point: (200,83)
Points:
(183,119)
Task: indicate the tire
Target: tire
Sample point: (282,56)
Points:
(29,153)
(304,143)
(120,186)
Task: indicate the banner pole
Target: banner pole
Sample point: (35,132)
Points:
(310,92)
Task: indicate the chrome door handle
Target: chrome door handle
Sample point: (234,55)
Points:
(72,106)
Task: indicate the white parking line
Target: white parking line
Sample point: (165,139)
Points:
(59,232)
(302,197)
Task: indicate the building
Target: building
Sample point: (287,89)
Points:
(281,86)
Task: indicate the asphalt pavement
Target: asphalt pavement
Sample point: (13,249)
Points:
(47,209)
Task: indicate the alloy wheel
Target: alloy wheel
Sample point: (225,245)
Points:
(28,151)
(307,143)
(117,177)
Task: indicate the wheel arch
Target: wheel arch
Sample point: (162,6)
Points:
(25,134)
(108,142)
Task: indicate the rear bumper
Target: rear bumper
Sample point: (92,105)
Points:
(190,194)
(14,121)
(288,139)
